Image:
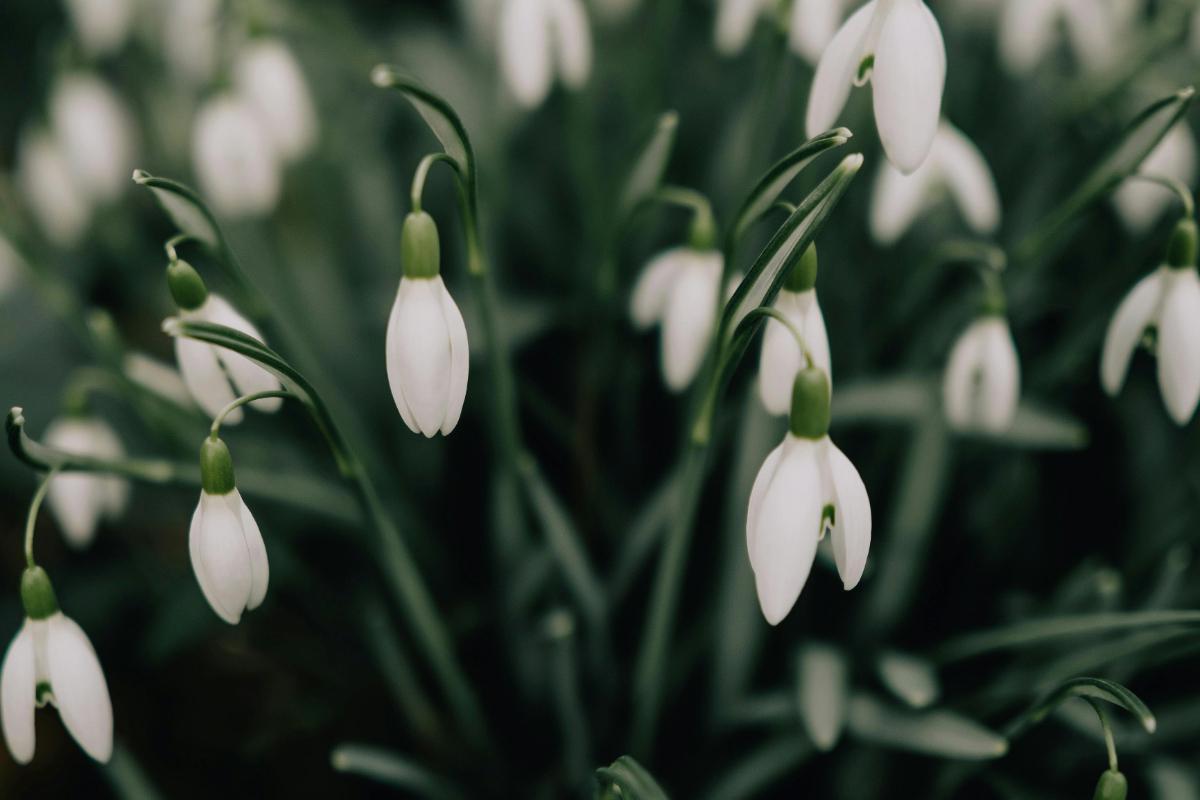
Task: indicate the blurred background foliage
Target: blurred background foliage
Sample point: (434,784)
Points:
(1091,509)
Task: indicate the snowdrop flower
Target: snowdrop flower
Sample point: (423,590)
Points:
(102,25)
(234,158)
(80,500)
(96,133)
(539,38)
(44,175)
(427,355)
(227,550)
(812,27)
(190,29)
(52,661)
(955,165)
(781,357)
(805,488)
(269,79)
(1140,204)
(897,46)
(1166,302)
(735,24)
(982,384)
(1029,28)
(208,371)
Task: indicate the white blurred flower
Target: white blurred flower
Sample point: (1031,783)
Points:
(234,159)
(542,38)
(897,46)
(62,209)
(10,267)
(1140,204)
(982,383)
(80,500)
(208,371)
(679,288)
(102,25)
(781,357)
(267,76)
(96,133)
(735,24)
(190,29)
(1095,30)
(954,164)
(159,378)
(228,555)
(812,27)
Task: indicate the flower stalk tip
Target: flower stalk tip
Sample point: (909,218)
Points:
(186,286)
(420,250)
(37,594)
(1181,249)
(1112,786)
(216,467)
(810,404)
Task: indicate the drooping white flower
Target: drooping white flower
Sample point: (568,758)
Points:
(540,39)
(1094,29)
(812,27)
(61,208)
(190,29)
(1139,203)
(267,76)
(80,500)
(51,660)
(96,133)
(102,25)
(679,288)
(982,383)
(234,159)
(896,45)
(735,24)
(805,488)
(954,165)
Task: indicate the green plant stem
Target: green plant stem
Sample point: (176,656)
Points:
(783,320)
(170,245)
(215,429)
(35,505)
(421,173)
(1109,744)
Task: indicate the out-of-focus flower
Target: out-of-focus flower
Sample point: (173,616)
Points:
(806,486)
(781,357)
(190,29)
(812,27)
(428,359)
(234,159)
(954,164)
(1166,301)
(267,76)
(96,133)
(897,46)
(102,25)
(541,38)
(44,175)
(615,10)
(735,23)
(982,384)
(679,288)
(1139,203)
(51,660)
(10,267)
(79,500)
(1094,28)
(162,379)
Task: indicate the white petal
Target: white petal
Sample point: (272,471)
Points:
(102,25)
(1027,28)
(785,540)
(460,361)
(190,35)
(80,691)
(260,572)
(248,377)
(78,500)
(1092,29)
(762,482)
(234,160)
(960,382)
(688,319)
(910,72)
(836,71)
(1139,203)
(51,190)
(152,374)
(423,354)
(1135,313)
(852,529)
(780,360)
(897,200)
(813,25)
(524,50)
(114,492)
(96,133)
(572,40)
(18,687)
(965,172)
(267,75)
(220,557)
(653,285)
(1000,389)
(393,342)
(735,24)
(1179,345)
(204,378)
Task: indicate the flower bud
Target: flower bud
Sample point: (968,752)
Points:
(187,287)
(420,253)
(810,404)
(1112,786)
(216,467)
(1181,249)
(803,275)
(37,594)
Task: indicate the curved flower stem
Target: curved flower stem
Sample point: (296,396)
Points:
(35,505)
(241,401)
(703,231)
(1173,184)
(170,244)
(780,317)
(422,171)
(1109,743)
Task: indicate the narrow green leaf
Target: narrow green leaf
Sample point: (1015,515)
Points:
(126,776)
(391,769)
(1092,688)
(632,779)
(903,398)
(911,679)
(438,114)
(937,733)
(184,206)
(822,691)
(650,165)
(1043,429)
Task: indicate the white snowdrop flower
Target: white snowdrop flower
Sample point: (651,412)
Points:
(1167,303)
(96,133)
(234,159)
(267,76)
(157,377)
(226,547)
(102,25)
(680,288)
(1094,28)
(80,500)
(426,349)
(542,38)
(954,166)
(209,371)
(190,29)
(615,10)
(735,24)
(61,208)
(1140,204)
(781,357)
(805,488)
(982,383)
(897,46)
(812,27)
(51,661)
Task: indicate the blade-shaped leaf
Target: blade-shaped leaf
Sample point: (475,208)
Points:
(438,114)
(1092,688)
(822,693)
(650,164)
(936,733)
(391,769)
(911,679)
(634,781)
(184,206)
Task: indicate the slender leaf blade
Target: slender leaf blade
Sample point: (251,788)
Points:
(944,734)
(184,206)
(910,678)
(438,114)
(822,690)
(1095,689)
(651,163)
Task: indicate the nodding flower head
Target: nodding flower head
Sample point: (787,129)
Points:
(540,39)
(982,384)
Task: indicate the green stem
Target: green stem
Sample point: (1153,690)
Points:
(241,401)
(781,318)
(170,244)
(35,505)
(421,173)
(1109,743)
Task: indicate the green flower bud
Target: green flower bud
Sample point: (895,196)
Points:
(1181,249)
(216,467)
(420,253)
(703,234)
(803,275)
(1112,786)
(810,404)
(186,285)
(37,594)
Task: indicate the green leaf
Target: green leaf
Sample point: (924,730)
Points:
(632,779)
(185,208)
(904,398)
(822,692)
(1039,428)
(392,770)
(126,776)
(438,114)
(1091,688)
(936,733)
(912,679)
(650,165)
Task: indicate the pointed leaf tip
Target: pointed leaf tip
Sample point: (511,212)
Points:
(140,176)
(382,75)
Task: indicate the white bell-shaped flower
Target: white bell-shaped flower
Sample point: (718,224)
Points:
(954,166)
(781,355)
(101,25)
(428,359)
(1030,28)
(80,500)
(982,383)
(805,488)
(1139,203)
(51,661)
(680,289)
(812,27)
(540,39)
(234,158)
(62,209)
(896,45)
(96,133)
(1167,302)
(189,35)
(735,24)
(267,76)
(226,547)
